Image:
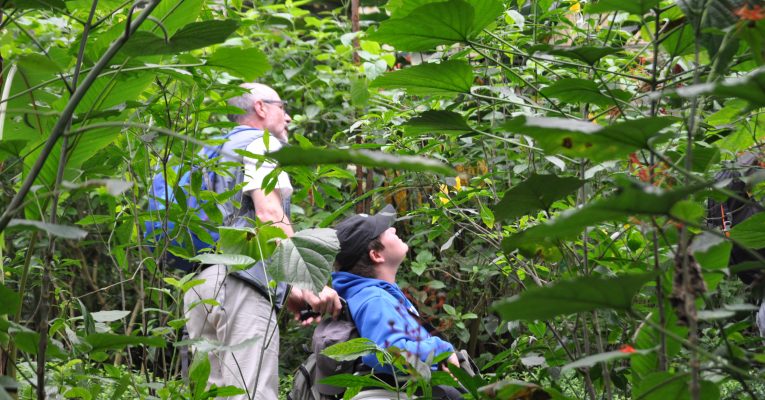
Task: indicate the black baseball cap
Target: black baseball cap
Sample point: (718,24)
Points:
(355,233)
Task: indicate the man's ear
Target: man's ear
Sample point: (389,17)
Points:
(259,108)
(376,256)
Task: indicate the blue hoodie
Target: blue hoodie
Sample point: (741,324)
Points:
(382,314)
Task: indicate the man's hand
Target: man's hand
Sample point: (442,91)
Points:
(451,360)
(327,302)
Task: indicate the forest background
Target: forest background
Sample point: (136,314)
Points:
(552,160)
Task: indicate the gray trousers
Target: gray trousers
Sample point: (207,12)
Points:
(238,317)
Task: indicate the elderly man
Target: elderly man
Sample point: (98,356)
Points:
(243,310)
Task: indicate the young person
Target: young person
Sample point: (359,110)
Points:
(370,256)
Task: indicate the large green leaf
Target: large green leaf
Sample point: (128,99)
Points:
(580,91)
(306,259)
(629,201)
(435,24)
(106,341)
(225,259)
(444,79)
(316,156)
(9,301)
(437,121)
(637,7)
(751,232)
(711,251)
(589,361)
(111,90)
(567,297)
(256,243)
(349,381)
(199,373)
(246,63)
(11,148)
(174,14)
(538,192)
(63,231)
(647,337)
(588,140)
(35,4)
(350,350)
(82,147)
(669,386)
(587,54)
(712,17)
(192,36)
(748,87)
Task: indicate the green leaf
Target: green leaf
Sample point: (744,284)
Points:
(538,192)
(63,231)
(8,383)
(316,156)
(436,24)
(350,350)
(647,337)
(108,91)
(9,301)
(78,393)
(567,297)
(748,87)
(88,144)
(28,341)
(105,341)
(306,259)
(109,316)
(224,391)
(246,63)
(348,380)
(630,201)
(199,372)
(637,7)
(580,91)
(447,78)
(668,386)
(751,232)
(359,92)
(712,17)
(35,4)
(589,361)
(11,148)
(175,14)
(587,54)
(588,140)
(711,251)
(688,211)
(195,35)
(225,259)
(437,121)
(256,243)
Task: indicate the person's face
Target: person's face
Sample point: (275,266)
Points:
(275,117)
(395,248)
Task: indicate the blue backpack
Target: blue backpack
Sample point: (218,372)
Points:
(201,233)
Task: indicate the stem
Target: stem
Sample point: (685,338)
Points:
(662,357)
(66,115)
(690,294)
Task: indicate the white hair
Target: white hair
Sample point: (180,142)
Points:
(256,91)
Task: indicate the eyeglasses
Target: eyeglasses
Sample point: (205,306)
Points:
(282,104)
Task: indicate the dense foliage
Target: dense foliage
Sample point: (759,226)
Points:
(553,160)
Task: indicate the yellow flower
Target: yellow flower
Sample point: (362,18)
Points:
(576,7)
(444,196)
(457,184)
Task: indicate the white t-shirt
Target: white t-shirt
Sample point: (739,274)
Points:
(254,174)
